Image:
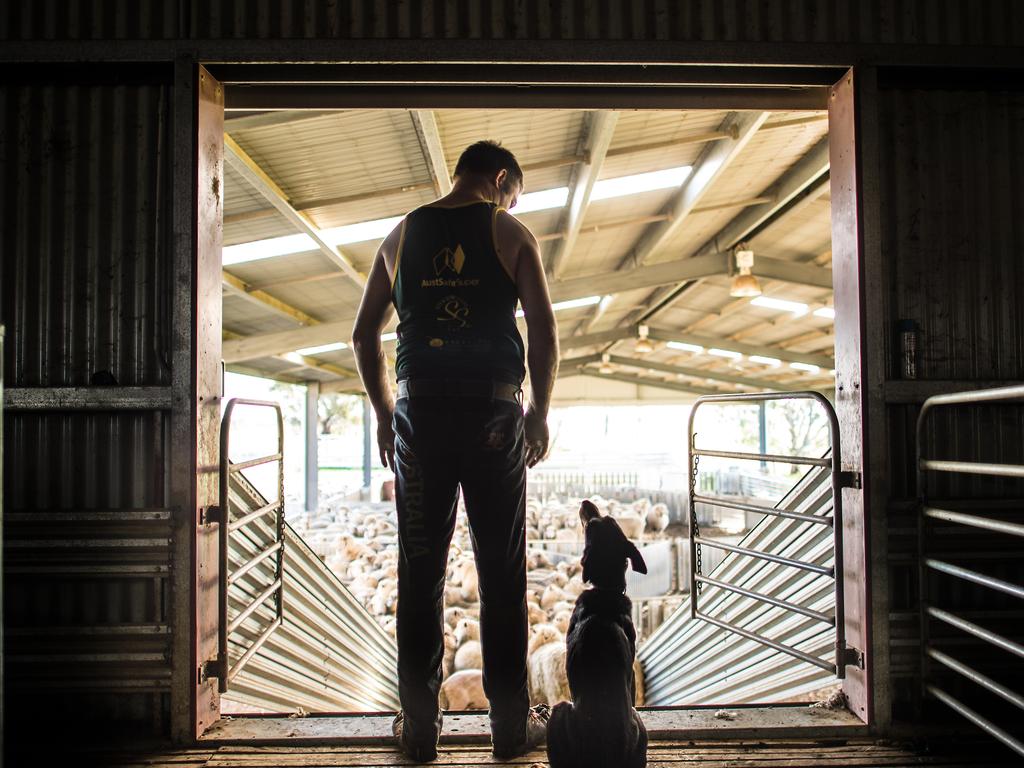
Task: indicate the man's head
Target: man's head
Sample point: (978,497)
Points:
(490,164)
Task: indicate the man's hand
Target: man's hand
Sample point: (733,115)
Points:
(386,442)
(536,428)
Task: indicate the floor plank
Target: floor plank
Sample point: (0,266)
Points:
(782,753)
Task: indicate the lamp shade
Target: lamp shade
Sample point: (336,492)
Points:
(745,285)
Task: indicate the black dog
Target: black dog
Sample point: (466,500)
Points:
(601,727)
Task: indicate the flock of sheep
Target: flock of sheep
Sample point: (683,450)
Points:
(360,546)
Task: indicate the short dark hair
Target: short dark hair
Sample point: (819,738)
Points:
(487,158)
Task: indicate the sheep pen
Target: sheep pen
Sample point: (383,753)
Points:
(359,544)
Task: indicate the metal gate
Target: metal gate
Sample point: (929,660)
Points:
(844,656)
(256,582)
(966,523)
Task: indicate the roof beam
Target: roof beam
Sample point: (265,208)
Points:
(599,139)
(433,150)
(788,356)
(645,381)
(602,337)
(238,287)
(248,169)
(700,373)
(708,169)
(713,162)
(805,176)
(640,277)
(562,290)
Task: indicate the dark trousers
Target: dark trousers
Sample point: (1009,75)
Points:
(440,444)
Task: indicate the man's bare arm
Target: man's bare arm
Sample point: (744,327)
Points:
(375,310)
(542,336)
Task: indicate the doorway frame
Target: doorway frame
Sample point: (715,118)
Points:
(842,90)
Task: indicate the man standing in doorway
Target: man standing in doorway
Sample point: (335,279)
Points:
(454,270)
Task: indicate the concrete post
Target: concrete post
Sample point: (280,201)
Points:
(312,455)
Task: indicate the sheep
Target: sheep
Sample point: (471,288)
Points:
(551,595)
(451,645)
(546,674)
(536,613)
(467,629)
(469,656)
(464,690)
(658,518)
(631,522)
(641,689)
(453,615)
(542,634)
(561,621)
(469,587)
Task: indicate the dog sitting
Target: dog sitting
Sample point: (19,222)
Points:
(601,727)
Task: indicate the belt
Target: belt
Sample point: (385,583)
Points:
(492,390)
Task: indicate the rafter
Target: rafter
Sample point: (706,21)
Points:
(238,287)
(805,177)
(562,290)
(646,381)
(709,168)
(433,149)
(599,139)
(255,176)
(696,373)
(763,350)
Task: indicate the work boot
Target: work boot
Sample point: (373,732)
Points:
(421,753)
(536,734)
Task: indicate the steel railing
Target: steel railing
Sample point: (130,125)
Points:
(844,656)
(927,564)
(254,593)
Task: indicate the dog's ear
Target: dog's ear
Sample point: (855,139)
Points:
(588,512)
(636,560)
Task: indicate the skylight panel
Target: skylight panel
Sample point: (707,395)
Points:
(640,182)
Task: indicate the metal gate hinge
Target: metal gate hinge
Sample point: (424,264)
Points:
(850,480)
(851,657)
(208,669)
(210,514)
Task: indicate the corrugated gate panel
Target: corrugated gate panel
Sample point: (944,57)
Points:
(693,662)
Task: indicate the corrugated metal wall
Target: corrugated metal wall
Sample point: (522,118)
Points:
(85,228)
(951,181)
(953,22)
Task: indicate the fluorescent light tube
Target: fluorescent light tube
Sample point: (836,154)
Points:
(805,367)
(725,353)
(772,361)
(796,307)
(684,347)
(826,312)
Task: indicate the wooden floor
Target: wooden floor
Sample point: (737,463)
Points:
(849,753)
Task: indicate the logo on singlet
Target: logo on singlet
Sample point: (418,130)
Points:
(447,260)
(447,269)
(454,310)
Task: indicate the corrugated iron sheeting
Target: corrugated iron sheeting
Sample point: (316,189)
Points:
(85,230)
(951,170)
(951,165)
(995,22)
(85,233)
(689,662)
(330,654)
